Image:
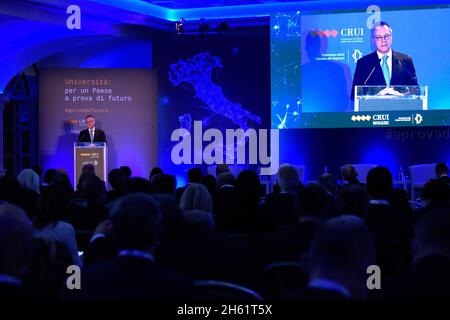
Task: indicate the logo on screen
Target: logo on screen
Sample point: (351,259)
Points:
(327,33)
(361,118)
(357,54)
(418,119)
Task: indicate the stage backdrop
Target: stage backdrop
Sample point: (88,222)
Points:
(123,101)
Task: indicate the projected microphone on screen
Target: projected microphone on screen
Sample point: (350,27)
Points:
(91,133)
(384,67)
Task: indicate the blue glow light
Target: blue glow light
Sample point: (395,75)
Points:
(247,10)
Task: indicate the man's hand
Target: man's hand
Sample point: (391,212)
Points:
(388,91)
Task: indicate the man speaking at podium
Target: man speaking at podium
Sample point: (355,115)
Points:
(91,134)
(384,67)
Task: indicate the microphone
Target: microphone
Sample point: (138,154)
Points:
(412,77)
(414,89)
(371,72)
(82,137)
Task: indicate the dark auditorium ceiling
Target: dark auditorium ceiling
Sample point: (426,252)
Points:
(183,4)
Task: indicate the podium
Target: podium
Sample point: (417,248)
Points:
(94,153)
(393,98)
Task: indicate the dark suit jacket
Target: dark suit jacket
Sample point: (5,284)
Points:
(135,278)
(445,179)
(289,244)
(403,71)
(429,279)
(210,256)
(100,250)
(392,230)
(279,209)
(99,136)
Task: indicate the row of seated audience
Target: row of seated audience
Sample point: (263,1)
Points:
(146,239)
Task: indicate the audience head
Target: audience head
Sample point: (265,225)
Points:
(135,184)
(349,173)
(52,206)
(88,168)
(173,220)
(29,180)
(15,239)
(195,175)
(379,183)
(225,179)
(137,222)
(209,181)
(248,186)
(341,251)
(10,190)
(62,179)
(432,235)
(38,170)
(163,184)
(441,169)
(196,197)
(154,172)
(436,192)
(115,178)
(48,176)
(288,179)
(126,170)
(92,189)
(353,199)
(329,182)
(222,168)
(313,202)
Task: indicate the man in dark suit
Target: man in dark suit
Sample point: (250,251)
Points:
(91,134)
(429,278)
(384,67)
(137,227)
(279,208)
(390,224)
(340,253)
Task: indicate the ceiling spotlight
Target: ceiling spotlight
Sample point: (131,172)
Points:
(222,26)
(179,25)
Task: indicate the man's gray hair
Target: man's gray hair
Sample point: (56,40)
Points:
(288,178)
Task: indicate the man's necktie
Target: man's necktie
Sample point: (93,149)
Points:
(385,68)
(91,134)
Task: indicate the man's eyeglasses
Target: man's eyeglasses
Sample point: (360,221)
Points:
(386,37)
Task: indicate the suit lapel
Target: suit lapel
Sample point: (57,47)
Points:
(396,69)
(378,77)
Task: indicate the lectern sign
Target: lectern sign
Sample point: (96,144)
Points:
(94,153)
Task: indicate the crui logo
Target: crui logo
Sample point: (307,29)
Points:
(357,54)
(74,280)
(235,147)
(418,118)
(74,20)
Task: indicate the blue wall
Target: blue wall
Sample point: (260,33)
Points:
(242,74)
